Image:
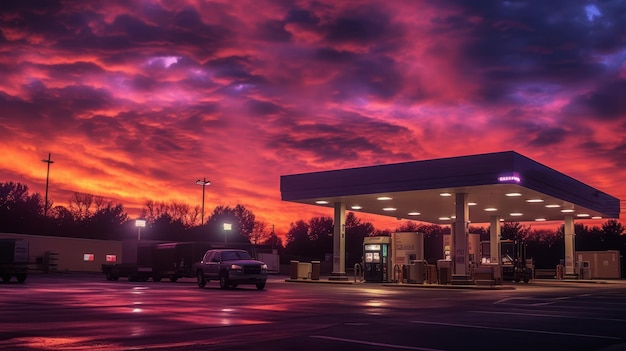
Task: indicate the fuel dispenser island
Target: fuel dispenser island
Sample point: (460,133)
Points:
(376,259)
(396,258)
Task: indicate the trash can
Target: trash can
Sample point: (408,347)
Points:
(315,270)
(416,272)
(304,270)
(293,269)
(444,271)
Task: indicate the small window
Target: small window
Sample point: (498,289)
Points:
(111,258)
(88,257)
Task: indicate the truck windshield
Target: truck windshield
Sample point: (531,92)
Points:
(235,255)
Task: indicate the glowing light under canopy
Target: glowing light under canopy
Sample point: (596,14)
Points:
(511,178)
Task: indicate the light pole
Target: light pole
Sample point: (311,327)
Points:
(48,161)
(227,227)
(139,223)
(204,183)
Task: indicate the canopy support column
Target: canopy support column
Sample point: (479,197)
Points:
(339,243)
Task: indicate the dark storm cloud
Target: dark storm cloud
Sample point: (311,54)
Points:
(334,56)
(302,16)
(365,24)
(355,137)
(549,41)
(100,129)
(608,102)
(14,109)
(273,31)
(235,67)
(262,108)
(328,148)
(548,136)
(369,76)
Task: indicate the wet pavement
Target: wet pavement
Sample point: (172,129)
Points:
(83,311)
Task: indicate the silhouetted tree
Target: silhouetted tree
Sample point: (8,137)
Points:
(298,241)
(20,212)
(356,231)
(241,220)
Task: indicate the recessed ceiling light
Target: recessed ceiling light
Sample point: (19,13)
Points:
(540,219)
(452,217)
(553,206)
(583,215)
(444,218)
(516,214)
(383,198)
(389,209)
(491,209)
(414,213)
(471,204)
(356,207)
(513,194)
(321,202)
(445,194)
(596,217)
(534,200)
(567,211)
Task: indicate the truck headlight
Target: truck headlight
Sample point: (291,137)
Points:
(235,267)
(263,267)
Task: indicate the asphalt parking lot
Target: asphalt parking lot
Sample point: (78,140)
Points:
(80,311)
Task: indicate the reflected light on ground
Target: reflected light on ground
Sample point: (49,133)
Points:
(41,343)
(374,307)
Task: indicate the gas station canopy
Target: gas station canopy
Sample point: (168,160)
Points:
(504,184)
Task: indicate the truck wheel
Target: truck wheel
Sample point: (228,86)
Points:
(21,278)
(156,278)
(260,286)
(108,275)
(224,283)
(173,279)
(200,279)
(6,278)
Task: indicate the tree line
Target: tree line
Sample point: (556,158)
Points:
(94,217)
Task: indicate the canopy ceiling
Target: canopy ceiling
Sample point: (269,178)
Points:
(506,184)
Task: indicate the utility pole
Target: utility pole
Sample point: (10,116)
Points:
(48,161)
(204,183)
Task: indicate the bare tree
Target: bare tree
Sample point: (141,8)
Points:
(260,233)
(80,205)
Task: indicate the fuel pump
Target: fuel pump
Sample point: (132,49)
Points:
(377,259)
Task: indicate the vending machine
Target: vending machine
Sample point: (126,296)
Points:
(377,259)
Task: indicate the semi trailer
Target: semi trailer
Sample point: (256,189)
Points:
(13,259)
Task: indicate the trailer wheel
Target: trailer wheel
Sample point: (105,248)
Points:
(109,276)
(173,279)
(6,278)
(156,278)
(21,278)
(200,279)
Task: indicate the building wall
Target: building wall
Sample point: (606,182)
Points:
(70,251)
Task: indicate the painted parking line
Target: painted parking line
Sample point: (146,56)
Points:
(370,343)
(550,315)
(518,330)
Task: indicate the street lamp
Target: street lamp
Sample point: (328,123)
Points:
(227,227)
(139,223)
(204,183)
(48,161)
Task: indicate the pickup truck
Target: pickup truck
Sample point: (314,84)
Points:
(231,267)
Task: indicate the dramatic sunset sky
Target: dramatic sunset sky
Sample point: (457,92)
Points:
(136,100)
